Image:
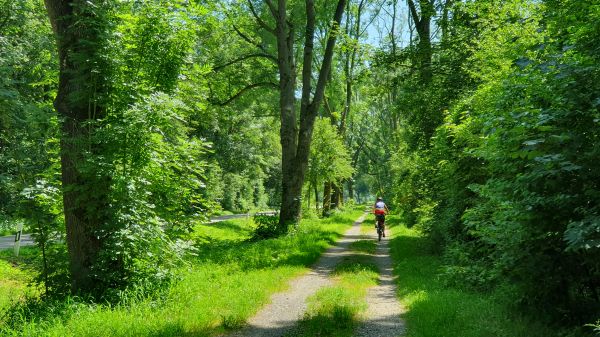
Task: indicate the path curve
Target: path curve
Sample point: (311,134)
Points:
(287,308)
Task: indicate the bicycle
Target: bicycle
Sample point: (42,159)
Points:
(380,226)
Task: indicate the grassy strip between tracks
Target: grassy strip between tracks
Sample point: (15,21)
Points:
(336,310)
(228,282)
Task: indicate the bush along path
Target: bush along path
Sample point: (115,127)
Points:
(327,300)
(438,306)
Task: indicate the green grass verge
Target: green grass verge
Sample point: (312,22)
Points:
(16,274)
(224,231)
(222,287)
(437,310)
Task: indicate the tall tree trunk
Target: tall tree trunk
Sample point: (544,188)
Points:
(445,21)
(295,142)
(350,188)
(337,197)
(334,195)
(422,23)
(78,26)
(316,197)
(308,196)
(291,189)
(326,198)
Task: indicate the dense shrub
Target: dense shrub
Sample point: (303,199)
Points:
(507,185)
(267,226)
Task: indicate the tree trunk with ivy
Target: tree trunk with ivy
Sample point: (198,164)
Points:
(78,27)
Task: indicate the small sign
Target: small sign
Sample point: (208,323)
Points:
(18,239)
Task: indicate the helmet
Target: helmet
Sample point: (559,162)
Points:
(379,199)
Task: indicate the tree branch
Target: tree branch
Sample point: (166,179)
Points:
(413,11)
(327,107)
(328,55)
(260,21)
(308,53)
(272,8)
(248,39)
(244,90)
(242,58)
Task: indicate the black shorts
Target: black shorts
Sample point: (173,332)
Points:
(380,217)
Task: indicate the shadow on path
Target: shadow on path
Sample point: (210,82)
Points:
(281,316)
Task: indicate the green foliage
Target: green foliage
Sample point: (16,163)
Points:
(28,78)
(241,124)
(329,159)
(500,174)
(537,141)
(267,226)
(156,192)
(435,308)
(42,207)
(224,285)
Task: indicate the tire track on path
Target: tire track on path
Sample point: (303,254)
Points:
(287,308)
(383,316)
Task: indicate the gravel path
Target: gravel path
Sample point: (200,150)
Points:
(286,308)
(383,315)
(382,318)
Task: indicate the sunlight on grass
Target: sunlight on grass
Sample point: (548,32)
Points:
(436,310)
(15,276)
(365,246)
(228,282)
(230,230)
(336,310)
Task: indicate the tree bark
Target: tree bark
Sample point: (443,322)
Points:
(337,196)
(308,196)
(326,198)
(295,141)
(422,23)
(316,197)
(350,189)
(84,192)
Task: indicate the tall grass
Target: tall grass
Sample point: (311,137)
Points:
(437,310)
(16,274)
(229,280)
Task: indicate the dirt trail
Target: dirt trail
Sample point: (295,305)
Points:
(383,315)
(281,316)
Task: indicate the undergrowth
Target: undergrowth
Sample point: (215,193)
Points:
(436,308)
(228,281)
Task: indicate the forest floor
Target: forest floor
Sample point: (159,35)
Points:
(380,317)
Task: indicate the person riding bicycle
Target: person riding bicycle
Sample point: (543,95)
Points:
(380,209)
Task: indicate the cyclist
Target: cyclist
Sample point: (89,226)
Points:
(380,209)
